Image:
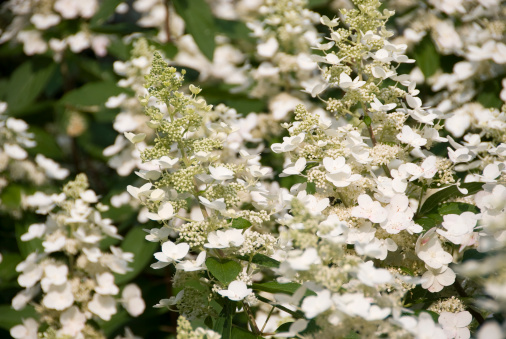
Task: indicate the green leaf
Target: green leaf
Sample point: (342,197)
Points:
(8,266)
(143,250)
(238,332)
(106,9)
(316,3)
(261,259)
(10,317)
(236,30)
(224,270)
(352,335)
(91,94)
(427,57)
(224,323)
(11,196)
(46,144)
(447,193)
(275,287)
(367,120)
(456,208)
(27,82)
(240,223)
(199,21)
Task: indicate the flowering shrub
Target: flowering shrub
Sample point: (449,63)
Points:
(284,169)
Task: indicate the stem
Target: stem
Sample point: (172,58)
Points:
(251,319)
(296,315)
(167,20)
(183,218)
(267,319)
(422,192)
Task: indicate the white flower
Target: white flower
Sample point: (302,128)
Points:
(72,321)
(314,205)
(295,328)
(400,216)
(59,297)
(54,275)
(218,204)
(268,48)
(302,261)
(193,265)
(460,155)
(314,305)
(369,209)
(224,239)
(435,279)
(426,170)
(294,169)
(339,173)
(52,168)
(15,152)
(429,249)
(165,212)
(34,231)
(132,300)
(32,271)
(138,193)
(237,290)
(410,137)
(165,162)
(102,305)
(353,304)
(455,324)
(105,284)
(346,83)
(376,248)
(427,329)
(378,106)
(135,138)
(458,227)
(28,330)
(289,143)
(157,234)
(371,276)
(24,297)
(170,253)
(221,173)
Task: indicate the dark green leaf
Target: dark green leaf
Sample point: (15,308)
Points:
(236,30)
(94,93)
(27,82)
(275,287)
(427,57)
(11,196)
(238,332)
(46,144)
(224,323)
(224,270)
(10,317)
(447,193)
(240,223)
(456,208)
(261,259)
(134,242)
(317,3)
(8,266)
(199,21)
(106,9)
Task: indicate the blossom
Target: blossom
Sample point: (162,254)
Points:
(72,321)
(426,170)
(218,204)
(103,305)
(54,275)
(410,137)
(346,83)
(52,168)
(131,299)
(378,106)
(435,279)
(314,305)
(165,212)
(458,227)
(193,265)
(170,252)
(59,297)
(371,276)
(105,284)
(28,330)
(369,209)
(237,290)
(224,239)
(289,143)
(295,169)
(221,173)
(427,329)
(429,249)
(455,324)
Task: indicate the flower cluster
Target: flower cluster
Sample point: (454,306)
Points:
(73,273)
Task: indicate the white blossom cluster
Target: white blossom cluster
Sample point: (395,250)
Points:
(70,289)
(361,233)
(15,163)
(33,19)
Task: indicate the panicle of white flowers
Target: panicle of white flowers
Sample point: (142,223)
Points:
(32,20)
(15,163)
(201,175)
(73,275)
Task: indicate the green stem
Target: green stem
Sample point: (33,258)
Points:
(296,315)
